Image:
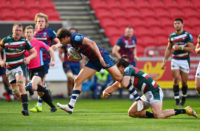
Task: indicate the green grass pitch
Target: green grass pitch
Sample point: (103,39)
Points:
(94,115)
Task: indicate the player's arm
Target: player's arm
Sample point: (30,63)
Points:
(57,45)
(61,51)
(2,62)
(51,52)
(125,81)
(110,89)
(135,54)
(189,48)
(167,54)
(95,48)
(33,54)
(115,51)
(197,49)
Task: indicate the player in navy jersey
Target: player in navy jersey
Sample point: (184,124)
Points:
(71,68)
(98,58)
(47,35)
(126,45)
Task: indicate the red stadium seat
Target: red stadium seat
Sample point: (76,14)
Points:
(113,40)
(54,16)
(117,12)
(145,12)
(122,22)
(162,40)
(102,13)
(113,4)
(96,4)
(107,22)
(112,31)
(147,40)
(127,4)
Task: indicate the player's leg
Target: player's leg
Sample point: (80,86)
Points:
(176,78)
(197,79)
(20,81)
(115,73)
(185,70)
(132,112)
(84,74)
(184,78)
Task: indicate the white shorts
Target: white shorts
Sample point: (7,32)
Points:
(11,74)
(198,71)
(182,65)
(149,99)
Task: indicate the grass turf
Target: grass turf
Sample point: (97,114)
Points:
(94,115)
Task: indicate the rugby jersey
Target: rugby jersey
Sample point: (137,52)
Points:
(14,51)
(140,79)
(127,46)
(181,40)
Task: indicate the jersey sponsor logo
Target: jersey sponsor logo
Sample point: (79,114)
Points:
(183,36)
(77,38)
(126,71)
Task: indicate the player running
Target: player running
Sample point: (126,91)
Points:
(98,58)
(152,93)
(36,69)
(15,46)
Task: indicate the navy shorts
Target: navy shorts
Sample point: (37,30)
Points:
(37,72)
(46,66)
(2,71)
(96,65)
(73,66)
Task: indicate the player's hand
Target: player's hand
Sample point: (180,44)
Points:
(27,60)
(103,63)
(54,47)
(136,58)
(106,94)
(52,63)
(2,63)
(163,65)
(176,47)
(70,57)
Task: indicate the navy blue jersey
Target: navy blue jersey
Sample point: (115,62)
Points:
(76,42)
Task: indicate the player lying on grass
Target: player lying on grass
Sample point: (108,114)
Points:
(36,69)
(152,93)
(98,58)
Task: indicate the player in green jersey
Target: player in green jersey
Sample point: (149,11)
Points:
(197,76)
(152,93)
(180,44)
(15,46)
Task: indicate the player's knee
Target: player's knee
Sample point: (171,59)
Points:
(131,113)
(34,86)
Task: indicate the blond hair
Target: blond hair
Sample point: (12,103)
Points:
(41,15)
(29,27)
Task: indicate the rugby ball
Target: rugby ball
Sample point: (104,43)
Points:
(76,56)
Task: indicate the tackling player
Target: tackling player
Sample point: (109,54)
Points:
(98,58)
(152,93)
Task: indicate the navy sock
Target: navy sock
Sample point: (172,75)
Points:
(24,99)
(149,114)
(179,111)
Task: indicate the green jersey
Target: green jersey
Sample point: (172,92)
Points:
(198,40)
(180,40)
(141,80)
(14,51)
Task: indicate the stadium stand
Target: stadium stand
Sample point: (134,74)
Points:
(25,10)
(151,19)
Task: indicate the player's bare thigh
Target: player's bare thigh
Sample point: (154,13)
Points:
(197,84)
(176,76)
(115,73)
(132,112)
(83,75)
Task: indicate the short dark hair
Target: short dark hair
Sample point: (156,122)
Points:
(62,33)
(18,24)
(122,62)
(73,29)
(179,19)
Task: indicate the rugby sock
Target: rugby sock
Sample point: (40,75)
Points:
(74,97)
(184,92)
(133,92)
(176,94)
(149,114)
(24,99)
(179,111)
(41,89)
(39,103)
(47,98)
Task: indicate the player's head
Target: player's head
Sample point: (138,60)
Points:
(122,64)
(41,21)
(129,31)
(63,35)
(29,33)
(178,24)
(73,30)
(17,31)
